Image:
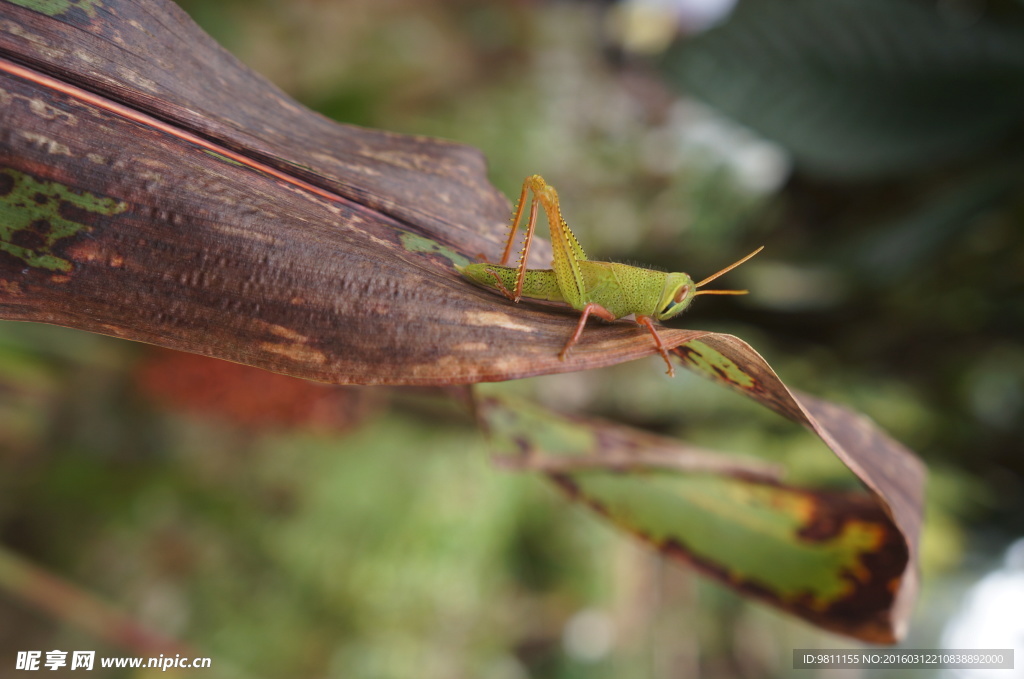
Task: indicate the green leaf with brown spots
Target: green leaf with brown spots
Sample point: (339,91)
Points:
(845,561)
(32,219)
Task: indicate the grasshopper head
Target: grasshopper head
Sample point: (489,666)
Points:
(675,296)
(680,290)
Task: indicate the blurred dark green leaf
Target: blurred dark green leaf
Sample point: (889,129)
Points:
(909,243)
(859,88)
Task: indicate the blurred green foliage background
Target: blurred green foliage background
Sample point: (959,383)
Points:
(873,147)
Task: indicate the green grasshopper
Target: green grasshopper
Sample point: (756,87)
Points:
(605,289)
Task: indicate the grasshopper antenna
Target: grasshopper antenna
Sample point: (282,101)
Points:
(725,271)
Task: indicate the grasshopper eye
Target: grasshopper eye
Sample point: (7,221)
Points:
(681,295)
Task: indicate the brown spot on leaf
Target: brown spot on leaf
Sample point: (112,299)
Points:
(10,288)
(863,612)
(84,251)
(33,236)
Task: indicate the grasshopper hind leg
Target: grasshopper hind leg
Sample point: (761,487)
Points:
(500,285)
(535,188)
(513,227)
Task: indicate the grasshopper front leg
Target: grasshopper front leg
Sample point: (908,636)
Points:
(601,312)
(591,308)
(649,324)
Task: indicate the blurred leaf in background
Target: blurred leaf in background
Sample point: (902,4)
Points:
(862,88)
(891,282)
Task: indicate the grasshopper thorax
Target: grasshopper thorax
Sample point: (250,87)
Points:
(675,296)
